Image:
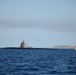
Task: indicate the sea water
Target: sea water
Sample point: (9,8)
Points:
(37,62)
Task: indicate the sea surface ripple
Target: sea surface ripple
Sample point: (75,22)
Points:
(37,62)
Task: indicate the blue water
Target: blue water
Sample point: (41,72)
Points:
(37,62)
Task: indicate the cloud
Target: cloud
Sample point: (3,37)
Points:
(52,26)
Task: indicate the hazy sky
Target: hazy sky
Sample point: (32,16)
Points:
(41,23)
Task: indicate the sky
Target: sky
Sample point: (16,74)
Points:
(41,23)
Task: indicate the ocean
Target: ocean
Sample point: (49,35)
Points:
(37,62)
